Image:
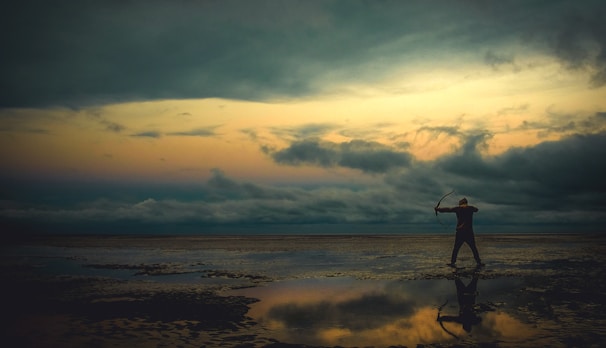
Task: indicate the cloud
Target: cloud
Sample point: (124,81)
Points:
(555,183)
(564,167)
(496,60)
(554,165)
(198,132)
(437,131)
(148,134)
(310,130)
(370,132)
(469,161)
(513,110)
(251,133)
(88,53)
(220,201)
(221,186)
(581,42)
(113,126)
(31,130)
(84,53)
(562,123)
(554,176)
(370,157)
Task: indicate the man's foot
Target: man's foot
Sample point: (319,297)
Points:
(452,264)
(480,264)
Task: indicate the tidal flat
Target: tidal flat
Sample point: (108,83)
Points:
(303,291)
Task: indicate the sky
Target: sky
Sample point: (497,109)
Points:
(312,116)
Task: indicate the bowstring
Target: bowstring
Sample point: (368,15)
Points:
(437,205)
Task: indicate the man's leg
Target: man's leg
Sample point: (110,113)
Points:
(455,250)
(471,241)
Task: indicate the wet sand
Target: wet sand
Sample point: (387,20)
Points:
(303,291)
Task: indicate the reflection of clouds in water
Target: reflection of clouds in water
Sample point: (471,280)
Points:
(418,328)
(366,312)
(495,326)
(502,325)
(384,314)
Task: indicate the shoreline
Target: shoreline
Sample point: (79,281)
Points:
(49,237)
(319,232)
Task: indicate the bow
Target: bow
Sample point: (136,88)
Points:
(440,201)
(438,205)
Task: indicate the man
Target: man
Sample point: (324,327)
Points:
(464,230)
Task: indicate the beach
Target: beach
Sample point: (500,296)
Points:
(303,291)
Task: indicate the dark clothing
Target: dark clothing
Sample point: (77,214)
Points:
(464,230)
(465,237)
(464,216)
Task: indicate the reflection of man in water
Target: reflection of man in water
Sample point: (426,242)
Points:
(464,229)
(466,295)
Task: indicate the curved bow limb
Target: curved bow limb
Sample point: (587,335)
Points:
(440,201)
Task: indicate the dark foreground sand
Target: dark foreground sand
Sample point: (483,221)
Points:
(306,291)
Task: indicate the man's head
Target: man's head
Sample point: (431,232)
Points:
(463,201)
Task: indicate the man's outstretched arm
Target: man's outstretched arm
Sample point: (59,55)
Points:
(444,210)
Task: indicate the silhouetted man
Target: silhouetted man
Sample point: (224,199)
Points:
(464,230)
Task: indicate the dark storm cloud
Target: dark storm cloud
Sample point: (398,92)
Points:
(469,161)
(560,167)
(556,183)
(370,157)
(72,52)
(572,31)
(552,181)
(220,201)
(220,187)
(313,152)
(88,52)
(580,41)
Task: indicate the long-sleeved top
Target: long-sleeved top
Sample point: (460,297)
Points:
(464,216)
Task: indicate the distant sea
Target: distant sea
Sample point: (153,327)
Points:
(133,228)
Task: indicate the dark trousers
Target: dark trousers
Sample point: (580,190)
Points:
(465,237)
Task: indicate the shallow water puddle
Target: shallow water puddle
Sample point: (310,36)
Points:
(350,312)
